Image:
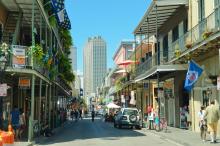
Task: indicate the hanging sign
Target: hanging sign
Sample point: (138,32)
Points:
(18,56)
(122,99)
(24,82)
(3,89)
(133,101)
(218,83)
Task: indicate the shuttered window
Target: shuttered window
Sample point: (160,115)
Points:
(1,31)
(201,6)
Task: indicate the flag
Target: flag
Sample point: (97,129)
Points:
(193,73)
(61,14)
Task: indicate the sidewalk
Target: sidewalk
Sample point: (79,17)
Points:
(182,137)
(39,139)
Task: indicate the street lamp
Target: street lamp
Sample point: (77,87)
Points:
(3,61)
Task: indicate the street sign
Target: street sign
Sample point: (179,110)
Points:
(3,89)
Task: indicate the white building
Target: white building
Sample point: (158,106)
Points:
(73,57)
(95,64)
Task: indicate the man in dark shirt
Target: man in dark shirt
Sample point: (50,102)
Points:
(15,120)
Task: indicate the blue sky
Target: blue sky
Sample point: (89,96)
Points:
(114,20)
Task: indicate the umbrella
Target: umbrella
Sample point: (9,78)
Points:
(127,62)
(112,105)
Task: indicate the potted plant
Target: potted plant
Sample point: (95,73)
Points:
(188,44)
(177,51)
(206,33)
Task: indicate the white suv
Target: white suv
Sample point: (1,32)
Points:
(128,117)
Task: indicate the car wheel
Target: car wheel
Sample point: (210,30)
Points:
(138,127)
(133,118)
(119,126)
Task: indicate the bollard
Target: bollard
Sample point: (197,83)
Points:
(1,143)
(8,137)
(10,134)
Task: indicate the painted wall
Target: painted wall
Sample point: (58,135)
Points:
(3,14)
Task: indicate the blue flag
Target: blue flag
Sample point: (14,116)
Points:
(193,73)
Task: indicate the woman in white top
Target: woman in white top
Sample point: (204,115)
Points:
(202,123)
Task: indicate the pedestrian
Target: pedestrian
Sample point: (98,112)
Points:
(202,123)
(212,116)
(151,120)
(76,115)
(72,114)
(15,120)
(93,115)
(22,123)
(80,114)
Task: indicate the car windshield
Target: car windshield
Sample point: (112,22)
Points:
(130,112)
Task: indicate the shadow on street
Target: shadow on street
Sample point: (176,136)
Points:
(86,129)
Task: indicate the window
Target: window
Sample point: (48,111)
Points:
(1,32)
(175,33)
(201,6)
(185,26)
(165,48)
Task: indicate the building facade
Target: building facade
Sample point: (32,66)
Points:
(95,64)
(32,53)
(73,57)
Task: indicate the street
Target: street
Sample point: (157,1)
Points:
(99,133)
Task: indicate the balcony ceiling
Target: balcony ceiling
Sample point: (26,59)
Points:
(26,7)
(162,70)
(163,10)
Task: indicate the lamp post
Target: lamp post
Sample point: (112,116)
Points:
(3,61)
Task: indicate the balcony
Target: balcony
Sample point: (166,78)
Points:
(20,59)
(147,64)
(204,32)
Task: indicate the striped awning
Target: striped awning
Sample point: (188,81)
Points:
(61,14)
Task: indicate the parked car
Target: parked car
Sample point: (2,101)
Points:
(128,117)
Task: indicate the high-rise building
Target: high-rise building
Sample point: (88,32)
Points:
(95,64)
(73,57)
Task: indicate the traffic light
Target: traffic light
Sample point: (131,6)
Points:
(81,92)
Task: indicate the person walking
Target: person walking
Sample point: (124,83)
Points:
(212,116)
(22,123)
(202,123)
(93,115)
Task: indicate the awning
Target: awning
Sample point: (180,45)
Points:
(159,11)
(161,69)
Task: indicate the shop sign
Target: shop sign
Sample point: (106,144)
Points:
(218,83)
(18,56)
(24,82)
(122,99)
(3,89)
(133,101)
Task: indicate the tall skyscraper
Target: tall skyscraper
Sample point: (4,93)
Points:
(73,57)
(95,64)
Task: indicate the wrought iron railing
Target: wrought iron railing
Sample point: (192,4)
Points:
(198,33)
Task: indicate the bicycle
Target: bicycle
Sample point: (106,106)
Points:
(163,124)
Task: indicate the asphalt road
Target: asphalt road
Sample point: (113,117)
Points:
(99,133)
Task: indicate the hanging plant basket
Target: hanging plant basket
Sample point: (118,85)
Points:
(188,45)
(177,53)
(206,34)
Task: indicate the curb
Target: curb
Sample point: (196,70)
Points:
(166,138)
